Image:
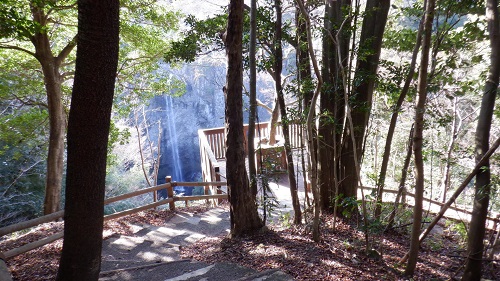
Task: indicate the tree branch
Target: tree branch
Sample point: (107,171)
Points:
(16,48)
(66,51)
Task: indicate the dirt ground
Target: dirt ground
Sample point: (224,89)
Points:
(340,255)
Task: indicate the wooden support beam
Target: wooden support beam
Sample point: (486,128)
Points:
(170,192)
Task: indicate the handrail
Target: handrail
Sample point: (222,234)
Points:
(463,210)
(214,137)
(30,223)
(169,186)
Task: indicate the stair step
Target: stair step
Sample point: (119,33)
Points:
(186,270)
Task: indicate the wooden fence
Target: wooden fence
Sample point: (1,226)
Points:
(168,186)
(213,145)
(492,218)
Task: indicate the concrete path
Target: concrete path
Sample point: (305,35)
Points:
(152,253)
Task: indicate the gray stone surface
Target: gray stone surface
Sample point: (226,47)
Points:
(152,253)
(4,272)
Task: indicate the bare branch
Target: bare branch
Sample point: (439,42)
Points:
(11,47)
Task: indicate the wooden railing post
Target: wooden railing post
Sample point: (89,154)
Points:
(218,188)
(170,191)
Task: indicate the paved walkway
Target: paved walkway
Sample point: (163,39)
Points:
(152,253)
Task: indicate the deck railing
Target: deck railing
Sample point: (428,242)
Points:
(168,186)
(213,145)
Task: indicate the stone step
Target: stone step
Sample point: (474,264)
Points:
(191,270)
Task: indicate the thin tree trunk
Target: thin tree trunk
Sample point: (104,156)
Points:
(326,126)
(243,210)
(57,116)
(445,185)
(90,114)
(57,132)
(394,119)
(418,139)
(455,195)
(141,151)
(402,182)
(304,78)
(482,186)
(253,98)
(310,125)
(278,59)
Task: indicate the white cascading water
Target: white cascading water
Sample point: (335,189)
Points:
(174,145)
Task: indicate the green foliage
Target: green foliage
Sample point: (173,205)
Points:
(146,28)
(349,205)
(202,36)
(14,22)
(459,228)
(286,219)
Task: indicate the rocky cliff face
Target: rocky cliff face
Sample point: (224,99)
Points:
(200,107)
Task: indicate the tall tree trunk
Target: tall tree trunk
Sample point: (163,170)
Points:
(310,124)
(278,60)
(304,79)
(326,120)
(253,98)
(57,132)
(394,119)
(418,138)
(361,99)
(90,114)
(335,60)
(304,83)
(482,186)
(57,116)
(243,210)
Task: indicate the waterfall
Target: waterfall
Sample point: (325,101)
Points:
(174,144)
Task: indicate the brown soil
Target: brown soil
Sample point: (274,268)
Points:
(339,256)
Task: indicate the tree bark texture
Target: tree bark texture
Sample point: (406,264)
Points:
(482,186)
(278,59)
(361,98)
(335,59)
(326,128)
(57,116)
(253,98)
(305,88)
(310,124)
(88,130)
(418,139)
(304,80)
(243,210)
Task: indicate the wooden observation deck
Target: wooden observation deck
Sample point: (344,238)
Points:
(213,148)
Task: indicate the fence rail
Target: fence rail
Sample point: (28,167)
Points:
(57,215)
(462,209)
